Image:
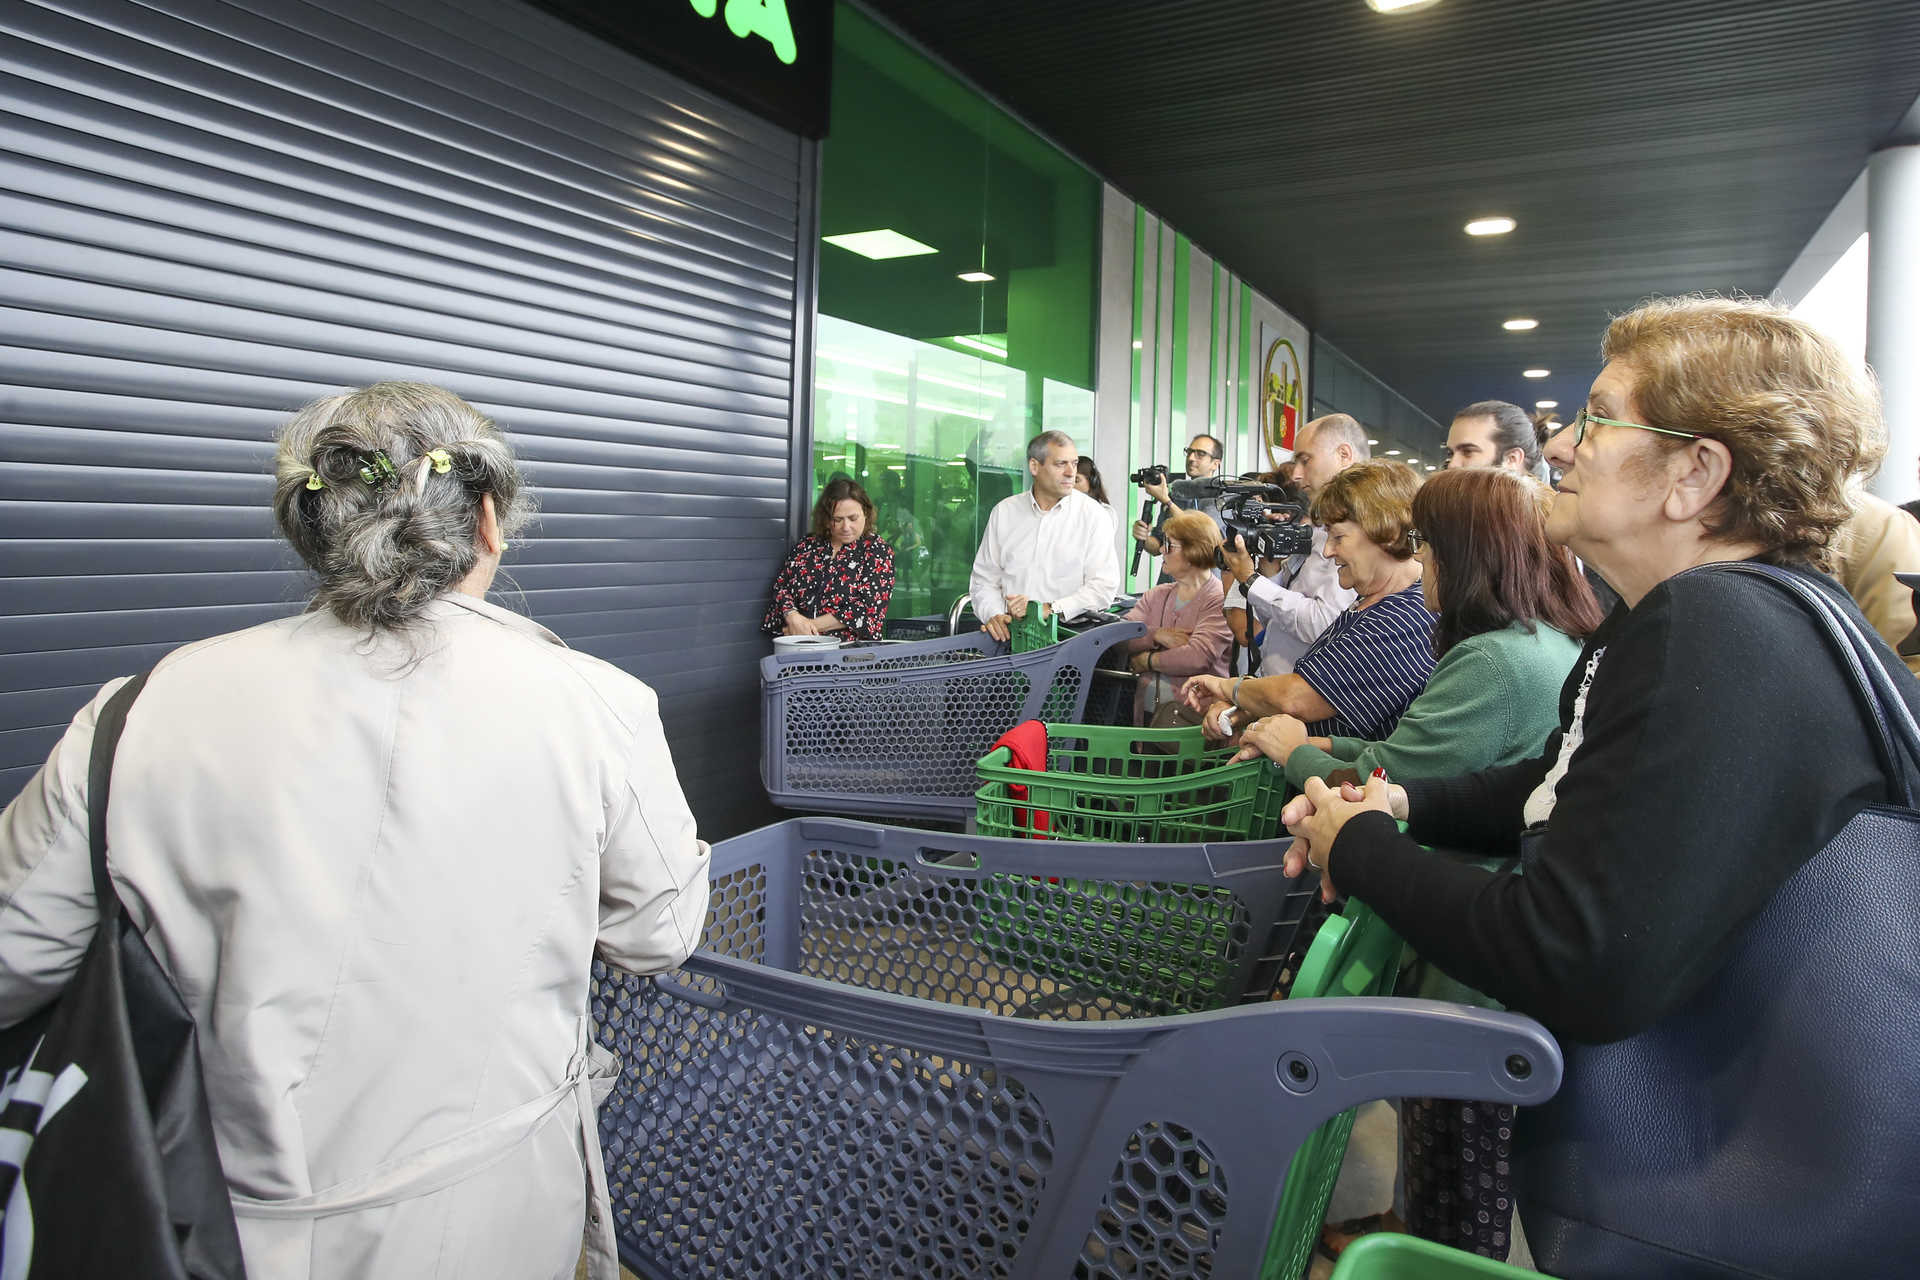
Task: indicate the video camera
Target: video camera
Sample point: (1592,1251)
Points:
(1271,520)
(1155,474)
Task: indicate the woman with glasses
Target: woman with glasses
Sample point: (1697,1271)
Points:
(1361,674)
(1513,608)
(1711,744)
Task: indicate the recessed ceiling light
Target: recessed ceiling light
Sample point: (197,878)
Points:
(1373,442)
(1536,373)
(998,353)
(1137,344)
(1393,453)
(1431,467)
(1399,6)
(1514,326)
(1546,404)
(880,244)
(1490,226)
(975,277)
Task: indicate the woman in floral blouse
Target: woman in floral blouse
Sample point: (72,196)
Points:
(840,576)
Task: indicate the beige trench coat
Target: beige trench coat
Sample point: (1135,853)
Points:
(379,886)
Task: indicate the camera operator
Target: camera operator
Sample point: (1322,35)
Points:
(1203,463)
(1299,601)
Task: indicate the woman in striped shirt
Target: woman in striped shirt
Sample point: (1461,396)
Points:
(1365,669)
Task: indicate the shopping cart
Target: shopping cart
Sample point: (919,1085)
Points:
(1391,1256)
(897,729)
(1123,785)
(842,1083)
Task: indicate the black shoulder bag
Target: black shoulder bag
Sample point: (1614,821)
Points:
(109,1165)
(1770,1127)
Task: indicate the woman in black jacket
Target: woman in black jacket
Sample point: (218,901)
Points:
(1711,739)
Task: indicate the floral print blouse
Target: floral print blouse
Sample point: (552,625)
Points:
(853,586)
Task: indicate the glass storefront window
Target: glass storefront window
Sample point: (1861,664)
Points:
(949,341)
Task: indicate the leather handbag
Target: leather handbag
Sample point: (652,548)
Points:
(1771,1127)
(108,1166)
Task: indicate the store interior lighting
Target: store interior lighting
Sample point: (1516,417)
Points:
(1490,226)
(1520,324)
(880,245)
(976,277)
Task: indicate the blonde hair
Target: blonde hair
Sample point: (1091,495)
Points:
(1198,536)
(1376,495)
(1800,420)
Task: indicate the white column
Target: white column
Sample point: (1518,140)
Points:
(1893,310)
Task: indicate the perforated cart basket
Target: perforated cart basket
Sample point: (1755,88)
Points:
(1354,954)
(1125,785)
(898,729)
(840,1084)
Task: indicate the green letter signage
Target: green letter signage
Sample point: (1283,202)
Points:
(764,18)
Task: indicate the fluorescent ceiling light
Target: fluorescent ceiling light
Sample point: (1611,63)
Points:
(1546,404)
(1520,325)
(880,244)
(975,277)
(896,466)
(1536,373)
(1393,453)
(1490,226)
(1373,442)
(998,353)
(1431,467)
(1399,6)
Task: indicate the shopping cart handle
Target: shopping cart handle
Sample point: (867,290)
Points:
(716,999)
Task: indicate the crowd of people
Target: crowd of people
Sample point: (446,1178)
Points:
(1529,661)
(1546,714)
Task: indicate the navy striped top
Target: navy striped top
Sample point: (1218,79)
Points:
(1370,665)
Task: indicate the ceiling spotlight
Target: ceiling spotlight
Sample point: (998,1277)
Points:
(1546,404)
(1512,326)
(1373,442)
(1399,6)
(1431,467)
(1535,373)
(975,277)
(1490,226)
(880,245)
(1393,453)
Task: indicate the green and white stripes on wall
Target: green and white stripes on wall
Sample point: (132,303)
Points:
(1194,337)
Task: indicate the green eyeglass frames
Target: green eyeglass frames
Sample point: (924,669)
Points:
(1582,420)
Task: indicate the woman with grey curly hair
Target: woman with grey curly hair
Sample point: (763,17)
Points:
(377,846)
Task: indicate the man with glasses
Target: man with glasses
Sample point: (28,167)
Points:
(1204,455)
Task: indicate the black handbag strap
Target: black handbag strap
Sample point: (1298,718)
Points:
(106,738)
(1891,715)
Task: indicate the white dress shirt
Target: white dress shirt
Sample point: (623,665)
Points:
(1063,557)
(1296,605)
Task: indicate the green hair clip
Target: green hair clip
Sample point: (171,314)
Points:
(315,482)
(442,461)
(377,471)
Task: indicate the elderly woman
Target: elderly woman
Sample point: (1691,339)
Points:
(1711,744)
(1512,609)
(1361,674)
(1187,631)
(377,845)
(840,576)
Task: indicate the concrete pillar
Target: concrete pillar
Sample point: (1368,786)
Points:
(1893,310)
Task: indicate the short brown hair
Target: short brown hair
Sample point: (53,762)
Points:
(1376,495)
(1800,420)
(838,490)
(1492,563)
(1197,534)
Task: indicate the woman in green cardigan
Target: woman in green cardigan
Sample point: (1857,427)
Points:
(1513,609)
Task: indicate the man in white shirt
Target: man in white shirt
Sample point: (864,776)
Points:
(1300,601)
(1053,544)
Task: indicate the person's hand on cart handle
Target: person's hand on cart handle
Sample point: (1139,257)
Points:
(998,626)
(1275,737)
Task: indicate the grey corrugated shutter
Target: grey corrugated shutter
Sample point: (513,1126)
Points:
(209,216)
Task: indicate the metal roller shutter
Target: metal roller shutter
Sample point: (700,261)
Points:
(211,213)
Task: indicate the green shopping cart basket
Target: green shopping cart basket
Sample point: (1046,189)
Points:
(1389,1256)
(1354,954)
(1127,786)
